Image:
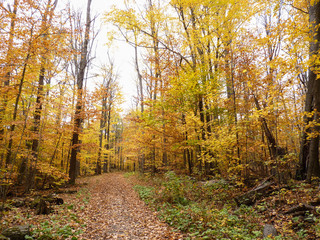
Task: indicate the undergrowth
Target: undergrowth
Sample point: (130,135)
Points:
(207,210)
(64,223)
(203,212)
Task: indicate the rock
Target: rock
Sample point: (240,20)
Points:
(269,231)
(28,201)
(55,200)
(17,232)
(213,182)
(34,204)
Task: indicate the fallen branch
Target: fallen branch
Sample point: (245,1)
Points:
(250,197)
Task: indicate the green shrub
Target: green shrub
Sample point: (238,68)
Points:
(174,189)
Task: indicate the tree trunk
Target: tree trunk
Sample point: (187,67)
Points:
(102,125)
(15,111)
(77,117)
(107,160)
(274,149)
(301,172)
(7,76)
(314,21)
(46,20)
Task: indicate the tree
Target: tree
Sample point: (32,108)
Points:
(313,168)
(7,70)
(108,95)
(78,111)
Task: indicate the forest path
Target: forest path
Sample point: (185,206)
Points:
(116,212)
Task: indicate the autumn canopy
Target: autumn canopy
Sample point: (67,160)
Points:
(224,88)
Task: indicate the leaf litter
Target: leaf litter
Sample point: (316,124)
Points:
(116,212)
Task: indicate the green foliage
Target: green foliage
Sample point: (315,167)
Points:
(190,208)
(147,194)
(174,189)
(54,230)
(84,194)
(210,223)
(129,174)
(65,223)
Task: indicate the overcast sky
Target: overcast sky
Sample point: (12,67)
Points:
(121,51)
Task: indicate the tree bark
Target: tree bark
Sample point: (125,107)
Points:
(102,126)
(301,172)
(314,21)
(78,111)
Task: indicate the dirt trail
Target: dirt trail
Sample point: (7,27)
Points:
(116,212)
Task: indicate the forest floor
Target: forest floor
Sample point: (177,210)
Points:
(98,207)
(109,206)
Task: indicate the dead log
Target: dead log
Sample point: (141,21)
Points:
(298,214)
(315,202)
(301,209)
(250,197)
(66,191)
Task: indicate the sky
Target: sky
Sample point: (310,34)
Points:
(121,52)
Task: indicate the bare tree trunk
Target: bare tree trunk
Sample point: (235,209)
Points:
(141,156)
(108,160)
(78,112)
(102,126)
(155,47)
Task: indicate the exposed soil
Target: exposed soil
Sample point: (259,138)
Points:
(116,212)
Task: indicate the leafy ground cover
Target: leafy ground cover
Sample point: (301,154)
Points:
(210,212)
(64,222)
